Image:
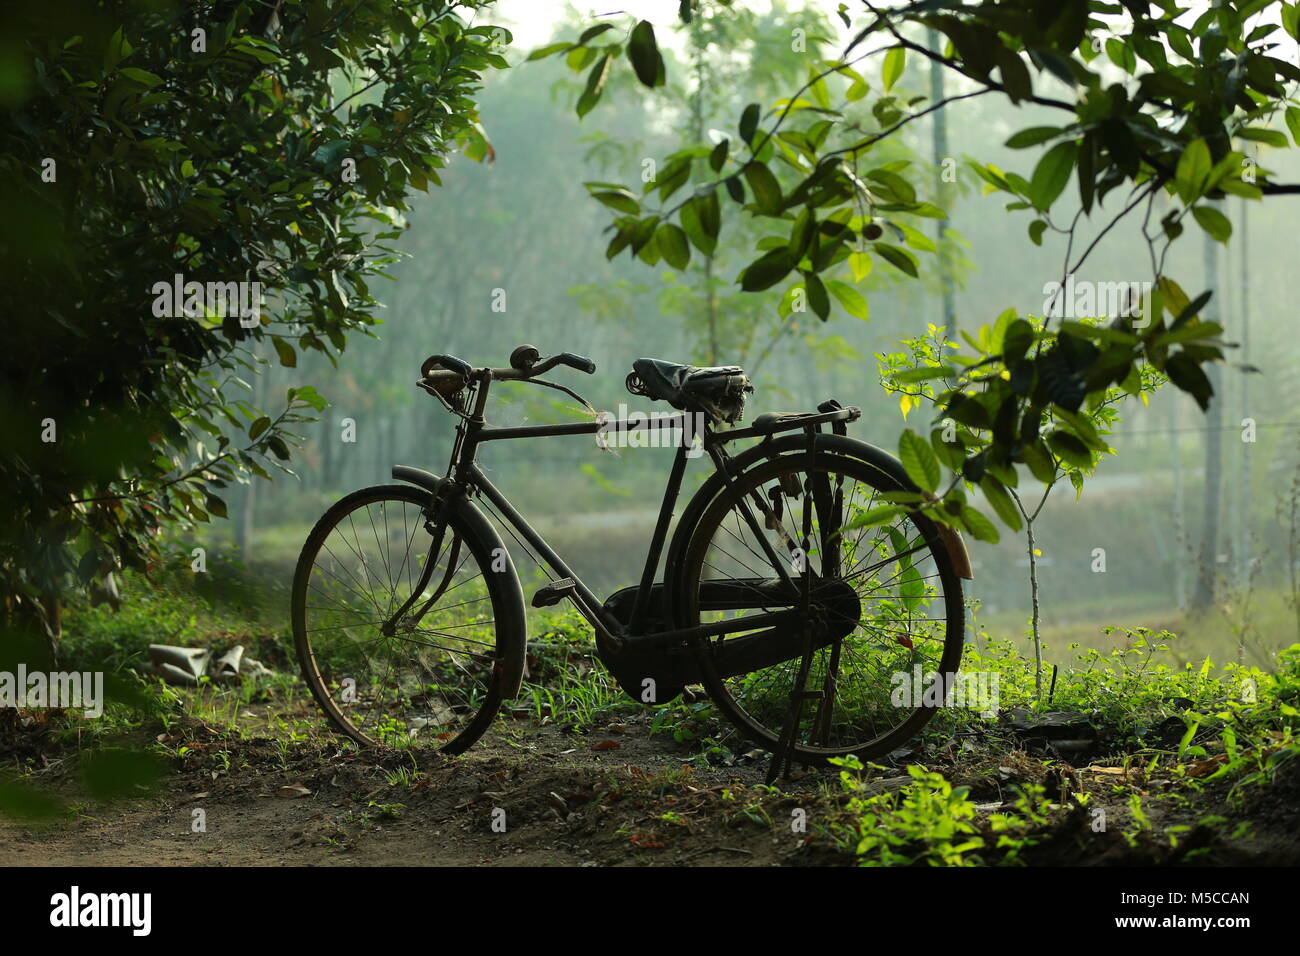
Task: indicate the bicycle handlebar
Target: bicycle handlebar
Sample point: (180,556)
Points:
(456,372)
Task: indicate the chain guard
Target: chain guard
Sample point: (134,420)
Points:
(673,668)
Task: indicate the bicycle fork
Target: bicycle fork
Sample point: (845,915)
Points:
(438,532)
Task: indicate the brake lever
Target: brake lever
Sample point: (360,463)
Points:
(565,389)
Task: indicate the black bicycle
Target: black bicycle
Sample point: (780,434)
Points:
(795,616)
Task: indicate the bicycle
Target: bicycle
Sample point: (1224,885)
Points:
(795,616)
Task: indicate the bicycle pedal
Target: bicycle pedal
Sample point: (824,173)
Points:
(553,593)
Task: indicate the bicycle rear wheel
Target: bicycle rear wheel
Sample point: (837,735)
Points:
(878,602)
(438,673)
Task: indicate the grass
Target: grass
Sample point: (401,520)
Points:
(1263,622)
(1192,743)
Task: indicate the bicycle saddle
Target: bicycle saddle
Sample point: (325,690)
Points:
(718,390)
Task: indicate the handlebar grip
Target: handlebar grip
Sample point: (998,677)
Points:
(579,362)
(449,362)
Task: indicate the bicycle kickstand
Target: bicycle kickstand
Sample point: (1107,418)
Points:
(784,752)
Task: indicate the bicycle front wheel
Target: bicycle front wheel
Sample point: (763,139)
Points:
(874,602)
(434,674)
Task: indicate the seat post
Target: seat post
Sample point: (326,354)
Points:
(661,532)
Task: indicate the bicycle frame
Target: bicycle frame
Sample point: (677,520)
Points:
(464,472)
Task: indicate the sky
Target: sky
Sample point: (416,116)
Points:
(532,21)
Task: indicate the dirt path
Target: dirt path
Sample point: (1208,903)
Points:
(527,795)
(531,794)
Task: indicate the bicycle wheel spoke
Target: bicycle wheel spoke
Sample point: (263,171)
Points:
(877,587)
(428,674)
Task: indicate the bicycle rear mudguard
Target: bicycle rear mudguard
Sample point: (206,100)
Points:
(511,620)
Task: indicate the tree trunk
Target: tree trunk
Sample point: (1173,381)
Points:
(1035,621)
(1208,571)
(939,129)
(245,525)
(1180,533)
(697,117)
(1241,524)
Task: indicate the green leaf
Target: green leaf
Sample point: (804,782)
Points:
(1014,75)
(643,51)
(1121,54)
(1000,500)
(895,61)
(1070,449)
(118,48)
(898,257)
(1185,372)
(918,460)
(622,200)
(579,57)
(1175,298)
(673,245)
(693,218)
(877,516)
(1082,428)
(549,50)
(1213,222)
(749,123)
(860,265)
(309,396)
(1052,174)
(924,374)
(1260,134)
(1193,170)
(288,358)
(592,32)
(980,526)
(1033,136)
(1039,462)
(766,189)
(850,299)
(718,157)
(897,188)
(817,297)
(767,271)
(595,85)
(214,504)
(278,447)
(1293,122)
(256,429)
(143,77)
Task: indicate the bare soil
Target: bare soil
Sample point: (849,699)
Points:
(533,794)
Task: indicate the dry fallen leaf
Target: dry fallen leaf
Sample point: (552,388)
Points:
(605,745)
(293,791)
(1203,768)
